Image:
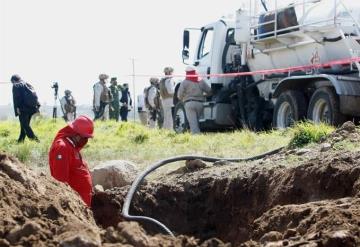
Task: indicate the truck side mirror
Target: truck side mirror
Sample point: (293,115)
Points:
(230,36)
(185,55)
(186,39)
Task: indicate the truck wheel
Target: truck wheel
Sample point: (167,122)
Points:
(289,108)
(324,107)
(181,123)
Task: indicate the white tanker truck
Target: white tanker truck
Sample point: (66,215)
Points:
(306,32)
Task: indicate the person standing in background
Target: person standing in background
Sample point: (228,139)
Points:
(68,106)
(167,88)
(126,102)
(152,101)
(192,93)
(115,104)
(26,104)
(141,109)
(102,98)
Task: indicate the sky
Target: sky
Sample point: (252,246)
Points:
(73,41)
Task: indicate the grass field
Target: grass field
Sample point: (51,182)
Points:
(131,141)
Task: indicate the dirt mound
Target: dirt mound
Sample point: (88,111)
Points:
(267,202)
(346,131)
(329,223)
(36,210)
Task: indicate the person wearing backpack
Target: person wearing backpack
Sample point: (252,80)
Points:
(26,104)
(167,88)
(68,106)
(102,98)
(152,101)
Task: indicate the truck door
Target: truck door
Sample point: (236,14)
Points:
(204,53)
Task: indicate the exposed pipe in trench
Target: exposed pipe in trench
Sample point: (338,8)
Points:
(141,176)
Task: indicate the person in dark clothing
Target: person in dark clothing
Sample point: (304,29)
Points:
(25,105)
(125,102)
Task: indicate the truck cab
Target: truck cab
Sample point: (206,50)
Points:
(207,57)
(288,58)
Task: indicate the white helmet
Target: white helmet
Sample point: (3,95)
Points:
(190,68)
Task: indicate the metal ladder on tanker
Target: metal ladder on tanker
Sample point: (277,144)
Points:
(257,39)
(352,53)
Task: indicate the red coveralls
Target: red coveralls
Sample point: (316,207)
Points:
(67,165)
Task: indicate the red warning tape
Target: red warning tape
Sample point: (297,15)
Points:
(345,61)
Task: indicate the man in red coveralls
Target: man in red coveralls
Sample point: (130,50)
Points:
(66,163)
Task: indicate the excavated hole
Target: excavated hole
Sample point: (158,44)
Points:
(205,206)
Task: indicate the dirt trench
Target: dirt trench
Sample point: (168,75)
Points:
(36,210)
(315,202)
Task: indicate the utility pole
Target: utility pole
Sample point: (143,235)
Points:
(133,80)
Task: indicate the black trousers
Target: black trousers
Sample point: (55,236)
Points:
(25,129)
(99,114)
(124,113)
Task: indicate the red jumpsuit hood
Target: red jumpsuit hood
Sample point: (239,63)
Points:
(67,131)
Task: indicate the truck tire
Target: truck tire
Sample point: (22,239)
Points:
(324,107)
(181,123)
(290,107)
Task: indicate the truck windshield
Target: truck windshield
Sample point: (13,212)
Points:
(206,43)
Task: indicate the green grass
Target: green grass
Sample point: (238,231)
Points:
(143,146)
(305,133)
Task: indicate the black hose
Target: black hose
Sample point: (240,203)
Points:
(141,176)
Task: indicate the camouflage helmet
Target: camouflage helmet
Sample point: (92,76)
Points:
(103,76)
(113,80)
(154,80)
(67,91)
(168,70)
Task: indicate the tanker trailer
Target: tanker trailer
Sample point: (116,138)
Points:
(296,45)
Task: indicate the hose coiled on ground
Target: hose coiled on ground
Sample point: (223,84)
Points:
(141,176)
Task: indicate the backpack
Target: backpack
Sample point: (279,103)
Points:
(163,91)
(70,105)
(157,102)
(146,97)
(30,97)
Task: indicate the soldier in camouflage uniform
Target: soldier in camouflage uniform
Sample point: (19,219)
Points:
(115,104)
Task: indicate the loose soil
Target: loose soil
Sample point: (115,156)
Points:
(298,197)
(314,202)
